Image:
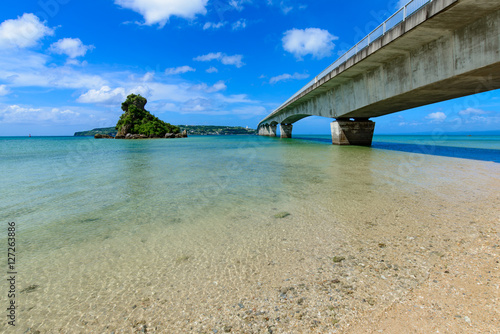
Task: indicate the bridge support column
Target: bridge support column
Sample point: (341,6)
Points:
(267,130)
(357,132)
(286,130)
(272,130)
(262,130)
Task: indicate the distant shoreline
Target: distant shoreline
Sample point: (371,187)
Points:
(202,130)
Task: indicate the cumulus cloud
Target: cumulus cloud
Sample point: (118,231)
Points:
(436,116)
(212,70)
(4,90)
(23,32)
(179,70)
(313,41)
(159,11)
(235,60)
(212,25)
(20,114)
(106,95)
(286,76)
(71,47)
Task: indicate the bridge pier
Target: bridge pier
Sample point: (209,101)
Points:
(267,130)
(358,132)
(286,130)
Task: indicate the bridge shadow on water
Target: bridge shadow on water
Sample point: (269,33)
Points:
(421,148)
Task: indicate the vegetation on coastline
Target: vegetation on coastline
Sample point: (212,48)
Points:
(101,131)
(217,130)
(198,130)
(138,121)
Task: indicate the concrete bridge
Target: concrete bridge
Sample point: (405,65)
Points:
(429,51)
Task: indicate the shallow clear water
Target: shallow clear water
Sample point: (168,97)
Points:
(105,224)
(486,148)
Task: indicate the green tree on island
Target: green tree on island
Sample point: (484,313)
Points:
(137,120)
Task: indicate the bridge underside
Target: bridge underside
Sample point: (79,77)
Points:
(448,49)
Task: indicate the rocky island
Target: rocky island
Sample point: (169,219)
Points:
(138,123)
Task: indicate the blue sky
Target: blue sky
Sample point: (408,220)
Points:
(67,65)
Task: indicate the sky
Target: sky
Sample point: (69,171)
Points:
(66,65)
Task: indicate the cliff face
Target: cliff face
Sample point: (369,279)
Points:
(137,122)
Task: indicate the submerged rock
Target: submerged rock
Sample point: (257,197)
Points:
(338,259)
(101,136)
(282,214)
(30,288)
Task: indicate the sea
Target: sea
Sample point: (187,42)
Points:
(188,235)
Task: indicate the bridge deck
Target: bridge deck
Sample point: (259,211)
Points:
(415,34)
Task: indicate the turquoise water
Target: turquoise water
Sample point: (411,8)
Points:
(484,148)
(98,218)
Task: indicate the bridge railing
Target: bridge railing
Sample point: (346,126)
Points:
(396,18)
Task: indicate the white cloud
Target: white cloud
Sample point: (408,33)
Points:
(412,123)
(179,70)
(204,106)
(19,114)
(235,60)
(472,111)
(148,77)
(238,4)
(106,89)
(209,57)
(71,47)
(106,95)
(25,68)
(235,98)
(313,41)
(211,25)
(23,32)
(4,90)
(250,111)
(196,106)
(218,86)
(212,70)
(285,8)
(240,24)
(159,11)
(286,76)
(436,116)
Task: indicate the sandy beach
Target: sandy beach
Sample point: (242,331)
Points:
(381,255)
